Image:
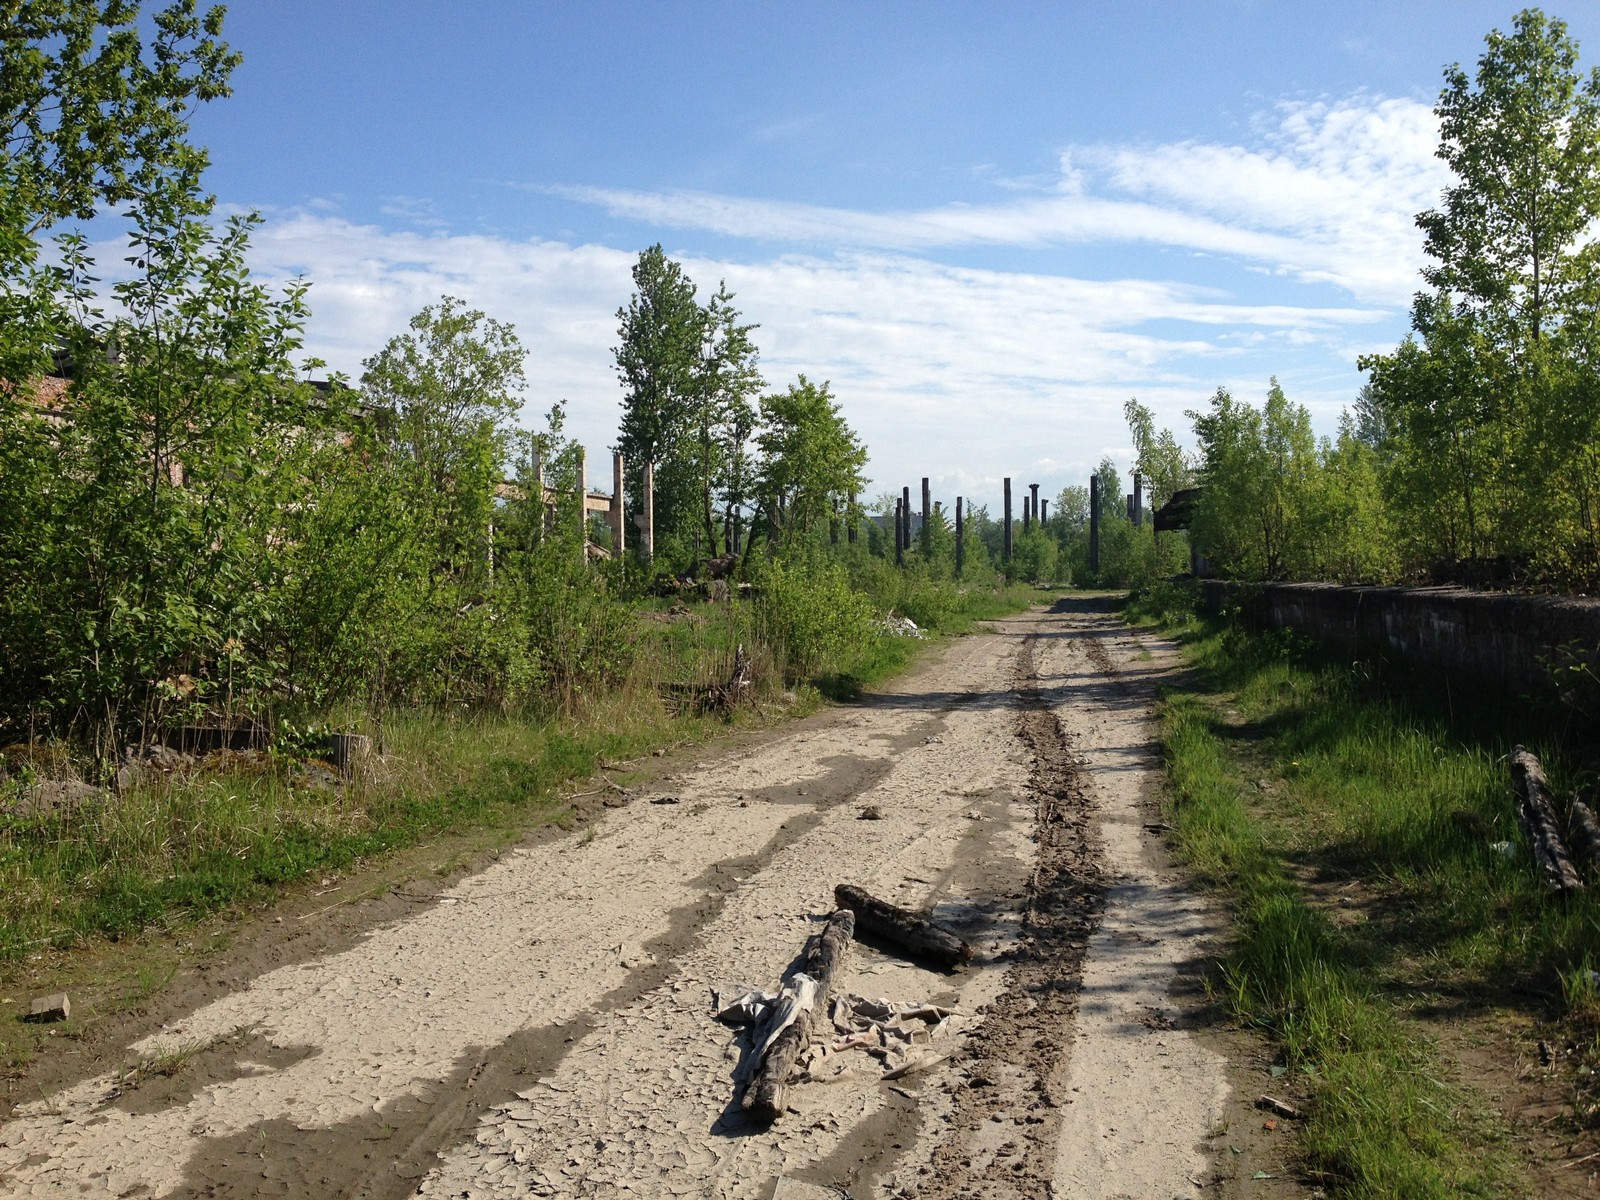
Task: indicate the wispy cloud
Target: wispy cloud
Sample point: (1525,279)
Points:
(1326,193)
(944,370)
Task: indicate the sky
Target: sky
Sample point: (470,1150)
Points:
(986,225)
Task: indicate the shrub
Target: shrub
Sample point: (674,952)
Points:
(809,614)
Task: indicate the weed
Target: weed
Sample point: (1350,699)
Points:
(1298,781)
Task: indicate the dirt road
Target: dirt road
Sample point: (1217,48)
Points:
(547,1026)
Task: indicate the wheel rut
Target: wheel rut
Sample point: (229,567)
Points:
(1002,1135)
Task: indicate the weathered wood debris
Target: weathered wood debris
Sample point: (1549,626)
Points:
(903,927)
(720,698)
(1584,831)
(1536,813)
(765,1095)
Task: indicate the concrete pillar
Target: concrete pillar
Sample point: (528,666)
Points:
(900,532)
(1006,553)
(583,506)
(927,530)
(1138,501)
(619,523)
(961,540)
(647,535)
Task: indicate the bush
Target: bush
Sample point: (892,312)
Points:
(809,614)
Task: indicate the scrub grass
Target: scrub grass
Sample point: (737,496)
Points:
(231,829)
(1353,812)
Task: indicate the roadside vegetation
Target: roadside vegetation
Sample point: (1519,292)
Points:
(1472,453)
(1360,820)
(201,539)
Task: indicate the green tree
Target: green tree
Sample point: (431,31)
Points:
(659,357)
(1258,471)
(727,384)
(1162,465)
(1492,399)
(810,457)
(1509,242)
(141,535)
(453,383)
(90,115)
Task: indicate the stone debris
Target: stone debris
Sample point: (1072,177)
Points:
(55,1007)
(900,627)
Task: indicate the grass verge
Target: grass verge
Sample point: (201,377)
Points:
(231,830)
(1357,816)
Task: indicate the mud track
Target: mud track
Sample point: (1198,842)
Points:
(546,1026)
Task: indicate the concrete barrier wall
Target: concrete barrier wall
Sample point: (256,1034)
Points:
(1516,642)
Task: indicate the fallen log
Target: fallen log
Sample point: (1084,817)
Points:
(1584,830)
(902,927)
(768,1089)
(1537,816)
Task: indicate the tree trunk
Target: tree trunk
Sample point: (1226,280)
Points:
(765,1094)
(902,927)
(1537,816)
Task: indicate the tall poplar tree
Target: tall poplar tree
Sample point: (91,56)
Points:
(1497,396)
(662,330)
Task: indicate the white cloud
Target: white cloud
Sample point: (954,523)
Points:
(954,372)
(1328,194)
(958,372)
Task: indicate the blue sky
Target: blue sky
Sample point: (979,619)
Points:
(987,225)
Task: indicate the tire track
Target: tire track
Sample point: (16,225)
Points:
(1002,1137)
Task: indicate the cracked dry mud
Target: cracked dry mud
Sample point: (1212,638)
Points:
(546,1027)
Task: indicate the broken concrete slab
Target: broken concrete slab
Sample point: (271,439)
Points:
(54,1007)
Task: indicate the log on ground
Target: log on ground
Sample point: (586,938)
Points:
(903,927)
(768,1089)
(1585,834)
(1536,813)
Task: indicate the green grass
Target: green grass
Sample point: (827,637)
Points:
(190,846)
(1348,808)
(176,848)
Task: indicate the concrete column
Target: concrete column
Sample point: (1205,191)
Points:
(583,506)
(1006,552)
(619,523)
(961,540)
(1094,521)
(927,532)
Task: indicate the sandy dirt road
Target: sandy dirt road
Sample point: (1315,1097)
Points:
(547,1026)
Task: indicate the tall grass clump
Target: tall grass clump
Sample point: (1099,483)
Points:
(1358,818)
(809,615)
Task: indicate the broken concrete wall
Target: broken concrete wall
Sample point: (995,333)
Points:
(1522,643)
